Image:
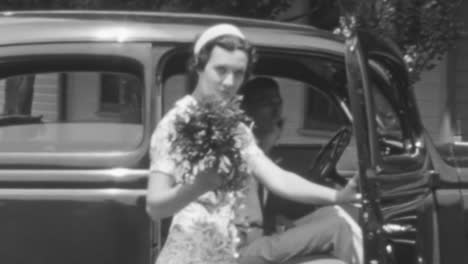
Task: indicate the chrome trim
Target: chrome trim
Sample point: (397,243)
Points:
(128,197)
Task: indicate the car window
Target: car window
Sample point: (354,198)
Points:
(70,112)
(310,115)
(390,137)
(321,113)
(390,132)
(387,120)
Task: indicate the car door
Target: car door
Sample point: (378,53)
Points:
(74,132)
(400,175)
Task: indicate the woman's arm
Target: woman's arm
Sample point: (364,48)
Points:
(165,197)
(296,188)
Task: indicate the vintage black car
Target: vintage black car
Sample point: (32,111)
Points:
(81,93)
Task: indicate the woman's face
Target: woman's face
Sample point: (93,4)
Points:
(223,74)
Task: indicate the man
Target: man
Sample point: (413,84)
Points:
(202,229)
(329,230)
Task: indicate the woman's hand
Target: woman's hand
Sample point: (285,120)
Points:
(349,194)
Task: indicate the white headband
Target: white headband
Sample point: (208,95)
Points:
(214,32)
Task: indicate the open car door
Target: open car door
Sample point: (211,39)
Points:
(371,219)
(398,178)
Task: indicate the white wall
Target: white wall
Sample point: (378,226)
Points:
(82,96)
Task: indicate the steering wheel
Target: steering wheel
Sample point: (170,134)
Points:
(328,156)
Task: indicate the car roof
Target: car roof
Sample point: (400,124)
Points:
(27,27)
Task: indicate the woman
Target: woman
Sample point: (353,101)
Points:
(205,226)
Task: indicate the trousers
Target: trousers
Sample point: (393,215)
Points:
(328,231)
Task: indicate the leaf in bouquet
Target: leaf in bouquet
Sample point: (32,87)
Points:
(207,135)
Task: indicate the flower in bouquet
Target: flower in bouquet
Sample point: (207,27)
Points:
(208,135)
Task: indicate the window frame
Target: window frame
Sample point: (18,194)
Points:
(58,57)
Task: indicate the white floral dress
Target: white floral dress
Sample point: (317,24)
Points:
(209,230)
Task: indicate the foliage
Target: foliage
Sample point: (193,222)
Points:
(209,135)
(243,8)
(266,9)
(423,29)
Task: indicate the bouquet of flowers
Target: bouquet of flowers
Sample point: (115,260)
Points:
(207,136)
